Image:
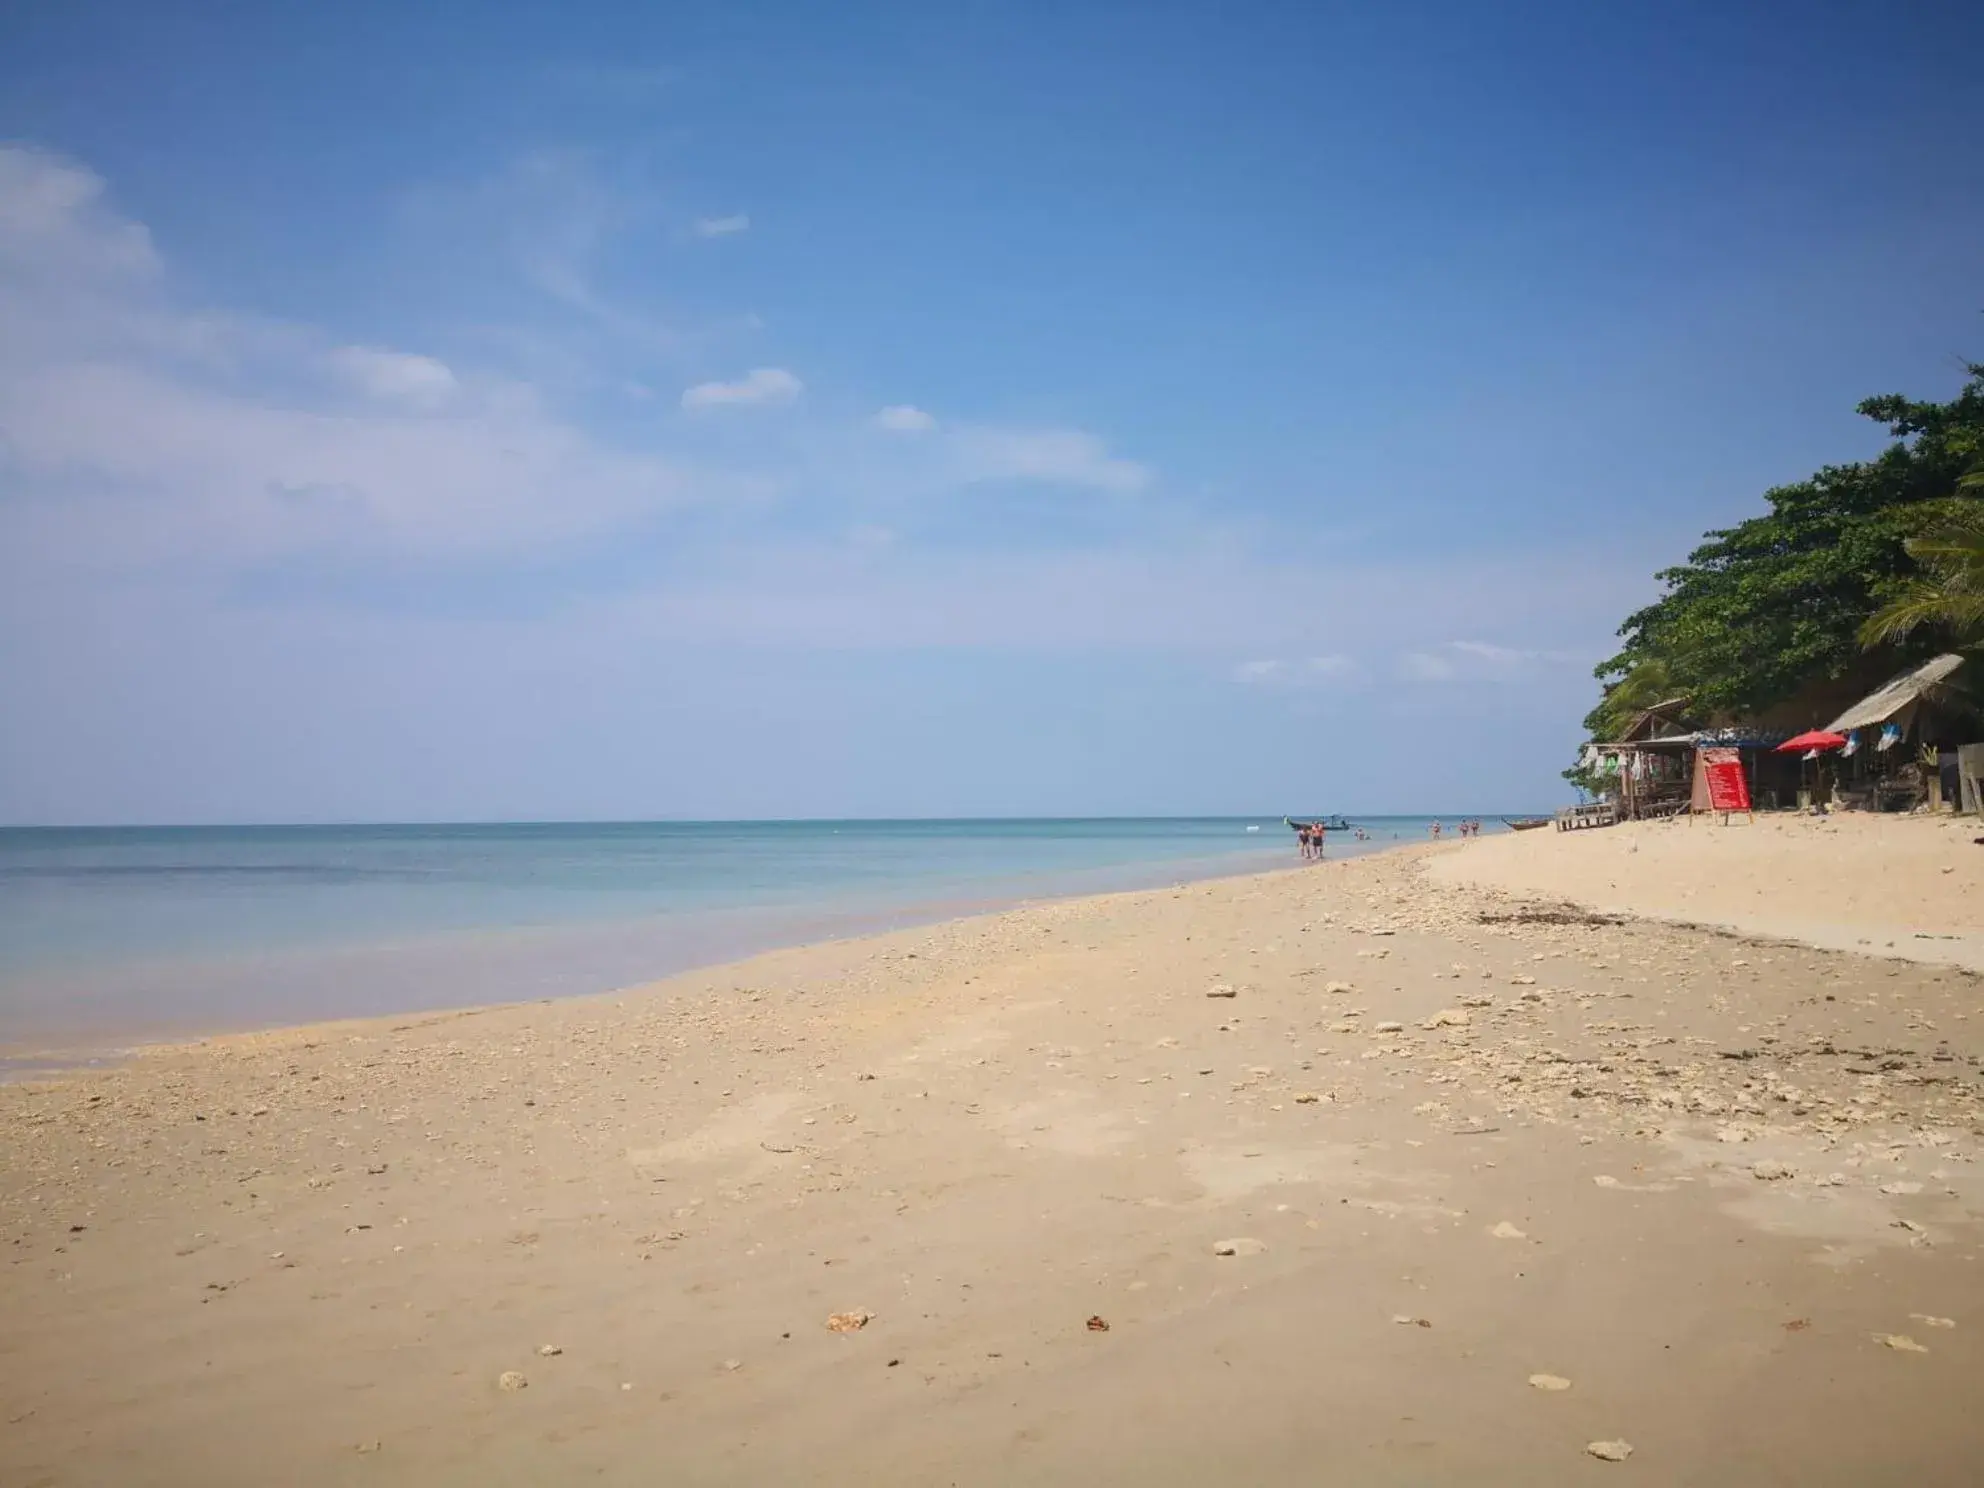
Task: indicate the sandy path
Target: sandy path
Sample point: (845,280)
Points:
(307,1257)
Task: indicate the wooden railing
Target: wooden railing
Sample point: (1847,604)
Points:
(1598,814)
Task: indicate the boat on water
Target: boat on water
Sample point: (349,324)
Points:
(1327,823)
(1525,823)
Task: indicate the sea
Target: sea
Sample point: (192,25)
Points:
(114,936)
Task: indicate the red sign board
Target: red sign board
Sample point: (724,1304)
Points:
(1728,787)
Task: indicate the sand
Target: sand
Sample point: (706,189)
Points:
(1452,1187)
(1908,886)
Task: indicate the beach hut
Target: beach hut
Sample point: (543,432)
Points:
(1908,740)
(1649,764)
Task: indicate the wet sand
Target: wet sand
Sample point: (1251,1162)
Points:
(1319,1176)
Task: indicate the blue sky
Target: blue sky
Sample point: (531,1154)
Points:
(619,411)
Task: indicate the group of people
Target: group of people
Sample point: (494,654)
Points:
(1468,828)
(1310,836)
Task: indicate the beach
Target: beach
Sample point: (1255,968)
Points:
(1456,1163)
(1906,886)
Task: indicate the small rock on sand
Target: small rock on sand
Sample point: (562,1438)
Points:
(1389,1027)
(1770,1171)
(1222,989)
(1548,1382)
(1901,1189)
(1241,1246)
(1447,1018)
(1507,1231)
(1933,1322)
(1901,1343)
(512,1380)
(1339,987)
(549,1350)
(1610,1451)
(848,1322)
(1307,1098)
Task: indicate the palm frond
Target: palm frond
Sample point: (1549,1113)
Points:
(1949,594)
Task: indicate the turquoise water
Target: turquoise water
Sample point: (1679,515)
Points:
(124,933)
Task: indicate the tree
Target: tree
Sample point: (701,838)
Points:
(1948,594)
(1764,609)
(1948,548)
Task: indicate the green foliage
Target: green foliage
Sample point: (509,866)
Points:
(1649,680)
(1765,608)
(1948,596)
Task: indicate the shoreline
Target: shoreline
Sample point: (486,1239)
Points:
(1167,1185)
(56,1054)
(1963,950)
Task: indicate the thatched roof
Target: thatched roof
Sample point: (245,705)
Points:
(1898,694)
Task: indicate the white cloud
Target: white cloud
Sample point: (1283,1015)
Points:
(54,222)
(721,227)
(396,376)
(762,385)
(902,418)
(1309,671)
(175,431)
(1066,457)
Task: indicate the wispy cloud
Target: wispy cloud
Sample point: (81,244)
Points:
(396,376)
(760,386)
(1309,671)
(1067,457)
(721,227)
(139,429)
(1427,666)
(619,82)
(54,219)
(902,418)
(557,220)
(228,438)
(1474,661)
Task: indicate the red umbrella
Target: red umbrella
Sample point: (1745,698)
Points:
(1816,739)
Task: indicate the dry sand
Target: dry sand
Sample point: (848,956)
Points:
(1438,1153)
(1908,886)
